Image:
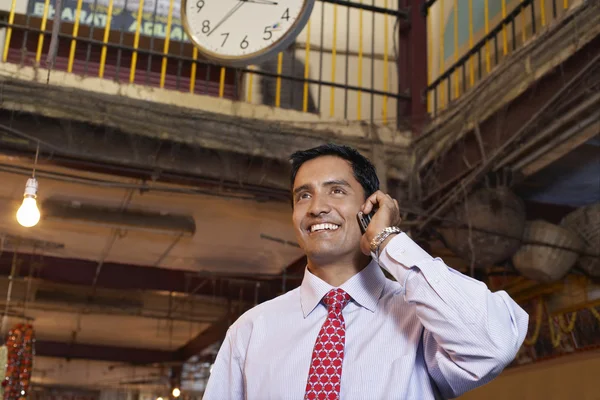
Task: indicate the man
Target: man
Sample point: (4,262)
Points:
(350,333)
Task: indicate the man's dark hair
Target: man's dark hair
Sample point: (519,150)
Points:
(363,169)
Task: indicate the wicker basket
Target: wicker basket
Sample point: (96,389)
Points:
(545,255)
(497,220)
(585,222)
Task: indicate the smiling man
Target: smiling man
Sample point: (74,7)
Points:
(348,332)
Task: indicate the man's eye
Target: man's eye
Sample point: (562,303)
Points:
(303,196)
(338,191)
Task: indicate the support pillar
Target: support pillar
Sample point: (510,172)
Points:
(412,66)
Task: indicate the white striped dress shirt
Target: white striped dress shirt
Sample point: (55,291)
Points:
(435,333)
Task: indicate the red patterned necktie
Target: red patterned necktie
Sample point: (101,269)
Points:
(326,365)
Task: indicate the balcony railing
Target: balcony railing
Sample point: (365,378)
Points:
(551,336)
(467,45)
(343,65)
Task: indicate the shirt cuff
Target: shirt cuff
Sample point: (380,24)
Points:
(405,251)
(400,255)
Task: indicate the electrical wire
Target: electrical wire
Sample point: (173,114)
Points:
(120,185)
(258,193)
(37,154)
(27,136)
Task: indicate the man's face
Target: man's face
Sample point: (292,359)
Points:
(326,199)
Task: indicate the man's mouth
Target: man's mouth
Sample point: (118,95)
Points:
(323,227)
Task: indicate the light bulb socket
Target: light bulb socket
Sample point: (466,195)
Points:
(31,188)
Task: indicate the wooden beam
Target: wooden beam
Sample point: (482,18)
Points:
(129,277)
(209,336)
(147,158)
(218,330)
(412,67)
(536,290)
(113,217)
(202,121)
(575,307)
(95,352)
(538,163)
(497,129)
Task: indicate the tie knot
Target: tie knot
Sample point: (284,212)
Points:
(336,299)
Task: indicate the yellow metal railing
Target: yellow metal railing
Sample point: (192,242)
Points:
(333,59)
(323,71)
(105,39)
(38,54)
(306,70)
(332,97)
(441,51)
(278,88)
(563,316)
(163,70)
(11,19)
(386,50)
(360,64)
(136,42)
(75,33)
(486,41)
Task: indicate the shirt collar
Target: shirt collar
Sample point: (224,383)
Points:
(365,288)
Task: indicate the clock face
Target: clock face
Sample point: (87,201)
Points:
(242,29)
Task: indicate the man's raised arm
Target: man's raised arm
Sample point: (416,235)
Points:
(471,334)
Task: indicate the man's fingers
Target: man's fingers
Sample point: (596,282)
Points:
(379,199)
(367,206)
(371,201)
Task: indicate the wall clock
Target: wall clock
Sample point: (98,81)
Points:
(243,32)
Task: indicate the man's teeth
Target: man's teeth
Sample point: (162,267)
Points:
(321,227)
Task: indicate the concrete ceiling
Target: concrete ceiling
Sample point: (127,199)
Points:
(111,330)
(153,321)
(96,375)
(227,238)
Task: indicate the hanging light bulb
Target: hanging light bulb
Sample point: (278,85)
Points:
(176,392)
(29,214)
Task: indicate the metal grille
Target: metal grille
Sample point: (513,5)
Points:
(452,73)
(343,65)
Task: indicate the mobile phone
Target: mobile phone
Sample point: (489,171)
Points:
(364,219)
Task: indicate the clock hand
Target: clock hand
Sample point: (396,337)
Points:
(267,2)
(226,17)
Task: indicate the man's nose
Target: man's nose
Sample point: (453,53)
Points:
(318,206)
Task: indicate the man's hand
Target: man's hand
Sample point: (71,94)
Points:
(388,214)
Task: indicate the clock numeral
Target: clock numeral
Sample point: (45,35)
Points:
(244,44)
(226,37)
(268,33)
(205,26)
(286,14)
(199,5)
